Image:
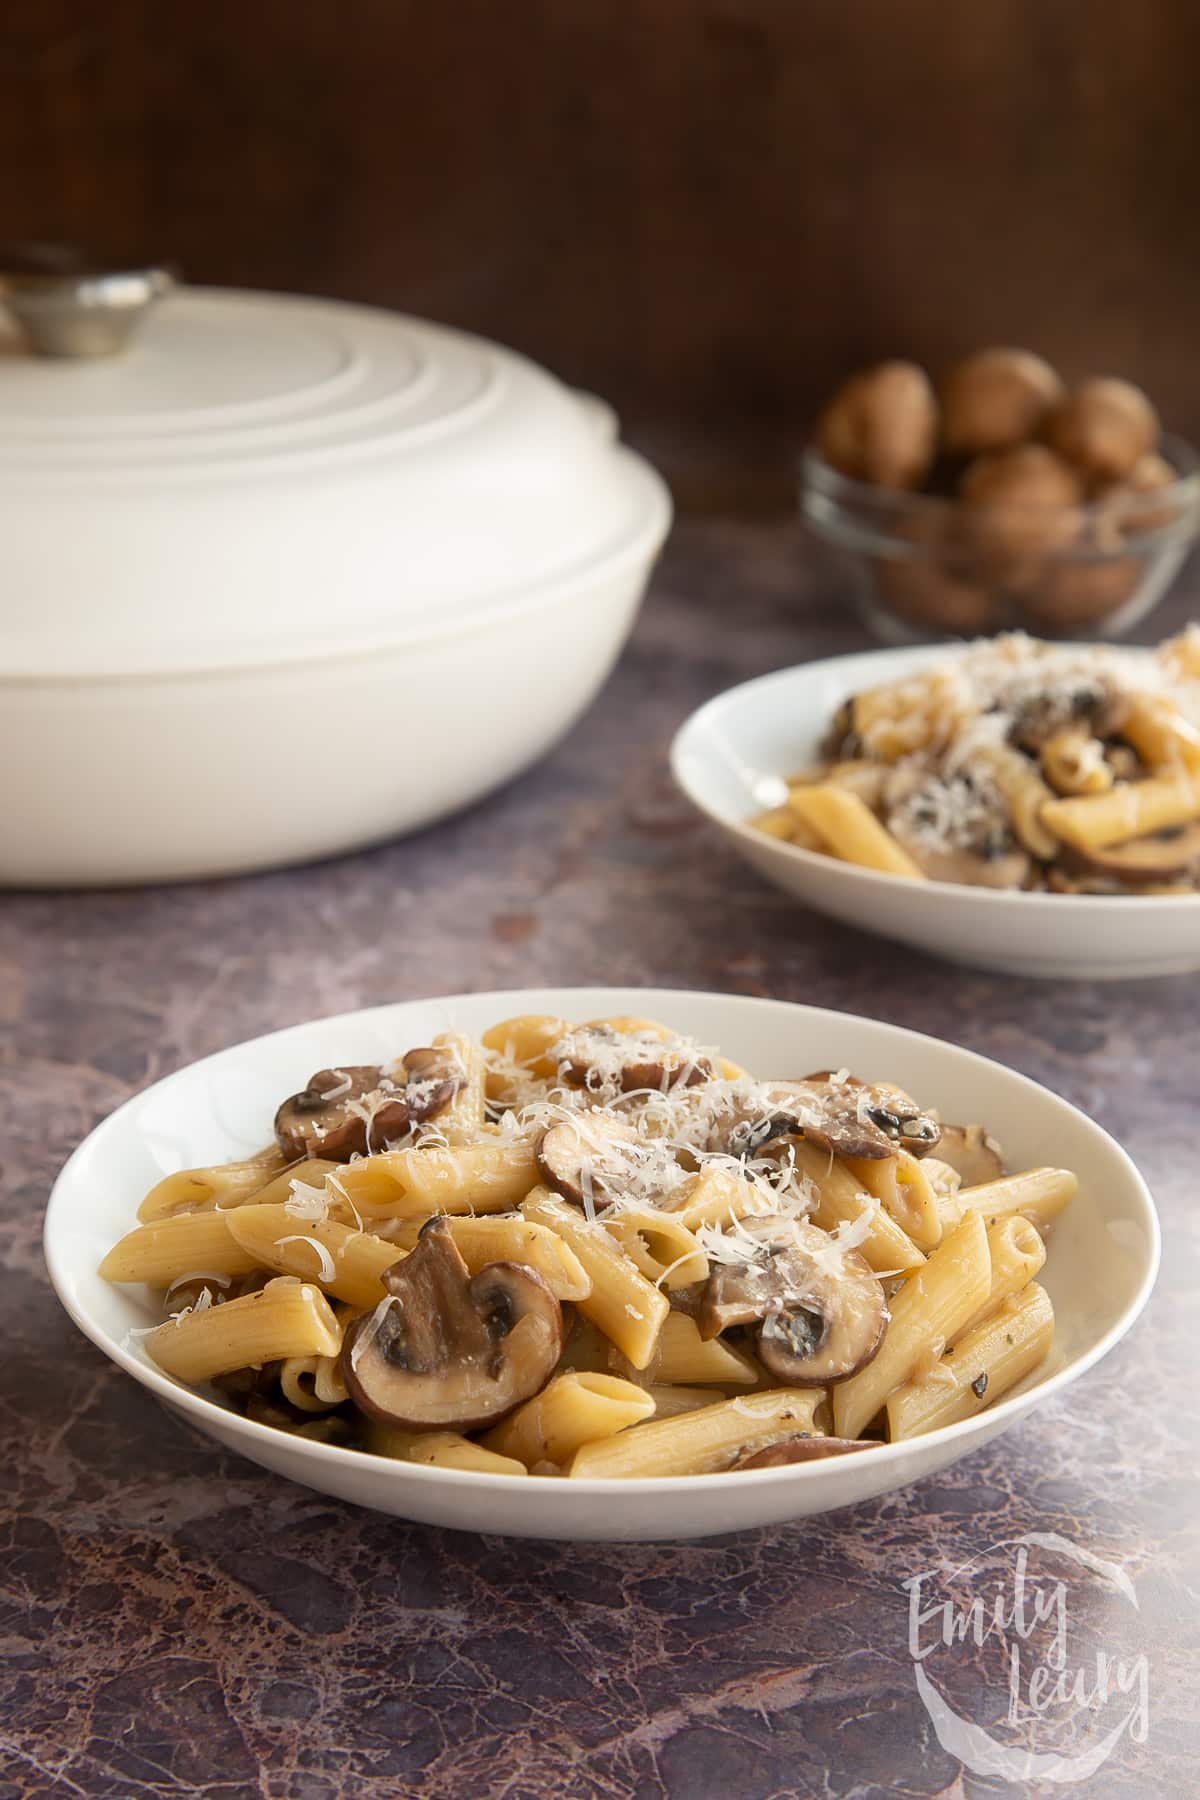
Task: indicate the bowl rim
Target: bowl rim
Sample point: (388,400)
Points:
(698,724)
(191,1402)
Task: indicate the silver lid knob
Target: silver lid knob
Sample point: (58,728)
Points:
(66,308)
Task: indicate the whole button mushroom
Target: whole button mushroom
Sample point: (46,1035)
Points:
(881,426)
(448,1349)
(1022,506)
(1104,426)
(996,399)
(815,1324)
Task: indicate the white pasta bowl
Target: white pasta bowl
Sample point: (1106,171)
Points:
(729,756)
(1102,1259)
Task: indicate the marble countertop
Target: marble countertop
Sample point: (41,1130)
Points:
(176,1621)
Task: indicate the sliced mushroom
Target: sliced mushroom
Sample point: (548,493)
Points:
(349,1111)
(955,827)
(819,1319)
(589,1158)
(995,861)
(1163,857)
(804,1448)
(838,1112)
(445,1348)
(597,1056)
(971,1153)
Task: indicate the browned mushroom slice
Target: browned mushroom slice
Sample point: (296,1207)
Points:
(349,1111)
(446,1348)
(597,1056)
(971,1153)
(590,1158)
(799,1450)
(342,1113)
(821,1319)
(1163,857)
(845,1115)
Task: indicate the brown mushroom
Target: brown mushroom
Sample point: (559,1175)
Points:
(971,1153)
(800,1449)
(816,1323)
(349,1111)
(881,426)
(446,1348)
(1104,426)
(588,1158)
(1162,857)
(996,398)
(840,1114)
(595,1056)
(955,828)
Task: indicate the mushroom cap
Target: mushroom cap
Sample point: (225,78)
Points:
(590,1157)
(1161,857)
(599,1057)
(445,1348)
(971,1153)
(804,1448)
(816,1323)
(350,1111)
(840,1113)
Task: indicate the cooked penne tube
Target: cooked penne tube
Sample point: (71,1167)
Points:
(570,1411)
(346,1263)
(1039,1195)
(983,1366)
(177,1248)
(438,1449)
(1073,762)
(698,1443)
(1016,1253)
(716,1195)
(683,1356)
(1160,734)
(285,1318)
(628,1309)
(524,1041)
(840,1200)
(929,1308)
(662,1247)
(1132,809)
(903,1189)
(312,1383)
(503,1239)
(465,1178)
(224,1184)
(850,829)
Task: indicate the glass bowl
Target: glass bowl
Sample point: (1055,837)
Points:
(925,566)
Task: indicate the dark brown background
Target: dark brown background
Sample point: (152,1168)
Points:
(705,209)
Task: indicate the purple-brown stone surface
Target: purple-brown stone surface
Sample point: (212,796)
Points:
(178,1622)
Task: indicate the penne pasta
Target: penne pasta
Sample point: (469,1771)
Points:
(346,1263)
(700,1442)
(670,1401)
(572,1410)
(463,1178)
(186,1246)
(626,1307)
(682,1356)
(1016,1253)
(1039,1195)
(284,1319)
(841,1201)
(902,1187)
(1132,809)
(438,1450)
(662,1248)
(850,829)
(984,1364)
(932,1305)
(225,1184)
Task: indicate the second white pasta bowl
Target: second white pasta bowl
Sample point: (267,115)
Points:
(729,758)
(1103,1252)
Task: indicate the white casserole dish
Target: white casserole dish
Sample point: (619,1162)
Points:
(287,577)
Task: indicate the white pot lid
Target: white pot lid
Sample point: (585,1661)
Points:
(258,477)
